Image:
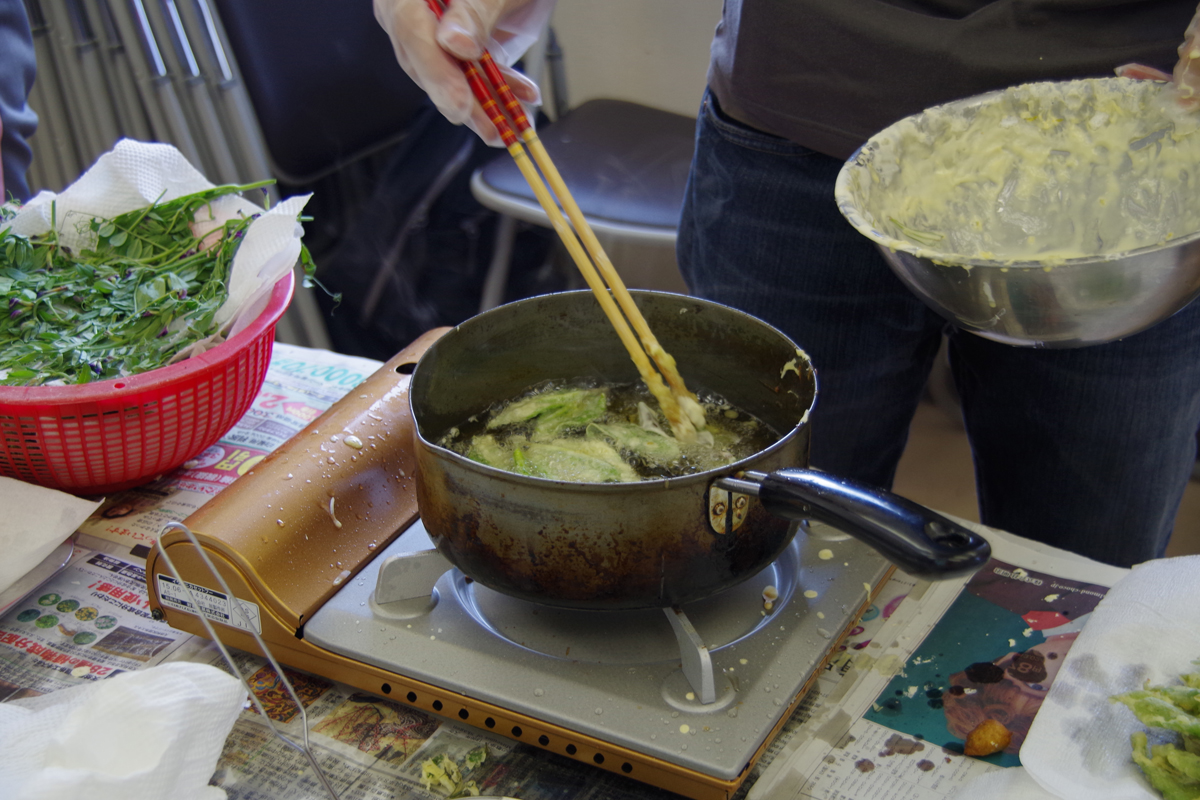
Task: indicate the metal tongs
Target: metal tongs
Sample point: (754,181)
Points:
(681,407)
(302,746)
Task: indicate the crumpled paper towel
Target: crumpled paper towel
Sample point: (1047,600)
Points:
(1146,628)
(35,521)
(1012,783)
(152,734)
(135,174)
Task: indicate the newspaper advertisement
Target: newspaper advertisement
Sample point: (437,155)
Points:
(301,383)
(953,654)
(88,622)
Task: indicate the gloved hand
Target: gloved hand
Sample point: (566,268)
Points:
(1186,76)
(427,49)
(1187,70)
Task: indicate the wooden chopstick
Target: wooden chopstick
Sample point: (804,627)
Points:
(681,407)
(583,229)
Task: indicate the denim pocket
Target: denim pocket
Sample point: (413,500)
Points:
(738,133)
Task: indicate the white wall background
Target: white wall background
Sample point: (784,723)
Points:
(653,52)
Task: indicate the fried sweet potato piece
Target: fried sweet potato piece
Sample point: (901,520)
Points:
(988,737)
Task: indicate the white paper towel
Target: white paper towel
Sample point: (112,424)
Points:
(34,522)
(1147,628)
(145,735)
(1013,783)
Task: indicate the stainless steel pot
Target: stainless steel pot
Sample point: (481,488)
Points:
(652,543)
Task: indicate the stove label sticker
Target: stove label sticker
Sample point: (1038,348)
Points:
(215,606)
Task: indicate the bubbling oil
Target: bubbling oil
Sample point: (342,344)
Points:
(730,434)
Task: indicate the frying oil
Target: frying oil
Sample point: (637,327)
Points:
(730,433)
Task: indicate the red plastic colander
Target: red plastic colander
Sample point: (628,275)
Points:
(111,435)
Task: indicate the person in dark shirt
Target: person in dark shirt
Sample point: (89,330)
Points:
(17,120)
(1086,449)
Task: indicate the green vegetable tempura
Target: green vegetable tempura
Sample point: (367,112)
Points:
(590,434)
(1172,769)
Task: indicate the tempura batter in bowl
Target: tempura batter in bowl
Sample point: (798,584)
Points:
(1040,172)
(1057,214)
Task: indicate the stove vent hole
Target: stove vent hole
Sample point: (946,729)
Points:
(627,768)
(387,688)
(571,749)
(516,731)
(544,740)
(437,705)
(463,713)
(491,723)
(598,758)
(412,697)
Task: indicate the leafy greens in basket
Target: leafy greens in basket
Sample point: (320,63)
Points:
(148,288)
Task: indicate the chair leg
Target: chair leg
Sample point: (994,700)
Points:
(496,280)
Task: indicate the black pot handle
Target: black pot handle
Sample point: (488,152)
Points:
(919,540)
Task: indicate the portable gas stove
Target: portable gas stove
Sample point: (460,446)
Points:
(321,547)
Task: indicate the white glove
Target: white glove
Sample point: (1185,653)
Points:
(427,49)
(1187,69)
(1186,75)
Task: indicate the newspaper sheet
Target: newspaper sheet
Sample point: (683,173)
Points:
(953,653)
(885,719)
(88,622)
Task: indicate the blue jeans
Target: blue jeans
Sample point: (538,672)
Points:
(1085,449)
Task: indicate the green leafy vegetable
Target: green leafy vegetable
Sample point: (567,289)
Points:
(146,290)
(474,758)
(1173,770)
(1157,710)
(442,774)
(597,435)
(649,444)
(582,460)
(486,450)
(1180,703)
(554,412)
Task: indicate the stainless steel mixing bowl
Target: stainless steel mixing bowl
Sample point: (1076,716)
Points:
(1067,303)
